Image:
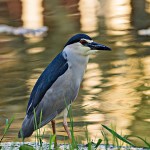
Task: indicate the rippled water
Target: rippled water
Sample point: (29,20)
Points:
(116,86)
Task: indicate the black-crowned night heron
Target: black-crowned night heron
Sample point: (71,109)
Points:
(58,85)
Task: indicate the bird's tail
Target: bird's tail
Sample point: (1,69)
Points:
(27,127)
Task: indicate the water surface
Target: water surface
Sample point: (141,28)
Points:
(116,86)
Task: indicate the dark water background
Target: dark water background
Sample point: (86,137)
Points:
(116,86)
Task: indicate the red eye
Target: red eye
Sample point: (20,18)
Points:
(83,42)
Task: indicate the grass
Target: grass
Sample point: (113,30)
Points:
(73,141)
(116,136)
(105,139)
(7,126)
(38,136)
(118,140)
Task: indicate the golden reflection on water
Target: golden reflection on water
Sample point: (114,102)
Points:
(146,66)
(89,12)
(123,97)
(35,50)
(130,51)
(32,14)
(146,43)
(92,78)
(147,6)
(8,58)
(117,16)
(110,89)
(33,78)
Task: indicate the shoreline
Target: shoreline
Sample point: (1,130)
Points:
(45,146)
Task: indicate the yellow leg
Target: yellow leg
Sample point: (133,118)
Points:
(65,124)
(67,129)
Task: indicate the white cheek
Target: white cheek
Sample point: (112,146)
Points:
(82,50)
(92,52)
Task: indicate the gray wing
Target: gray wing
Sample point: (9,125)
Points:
(54,70)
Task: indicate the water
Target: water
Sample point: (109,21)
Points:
(116,87)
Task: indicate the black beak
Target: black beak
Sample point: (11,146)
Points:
(97,46)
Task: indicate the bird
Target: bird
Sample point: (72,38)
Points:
(59,84)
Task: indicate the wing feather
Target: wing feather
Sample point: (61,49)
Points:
(55,69)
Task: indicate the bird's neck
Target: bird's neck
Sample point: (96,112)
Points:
(77,64)
(77,61)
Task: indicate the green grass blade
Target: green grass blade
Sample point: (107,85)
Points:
(7,126)
(146,143)
(51,140)
(39,125)
(73,141)
(105,139)
(89,146)
(26,147)
(35,125)
(86,134)
(118,136)
(98,143)
(35,120)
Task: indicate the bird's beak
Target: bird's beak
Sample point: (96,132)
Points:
(97,46)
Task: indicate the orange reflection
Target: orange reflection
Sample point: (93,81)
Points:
(33,78)
(117,16)
(92,79)
(147,6)
(146,66)
(122,96)
(89,12)
(146,43)
(35,50)
(32,14)
(130,51)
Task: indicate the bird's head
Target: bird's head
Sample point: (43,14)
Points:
(82,44)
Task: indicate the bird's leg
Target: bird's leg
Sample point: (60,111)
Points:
(53,126)
(54,131)
(65,124)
